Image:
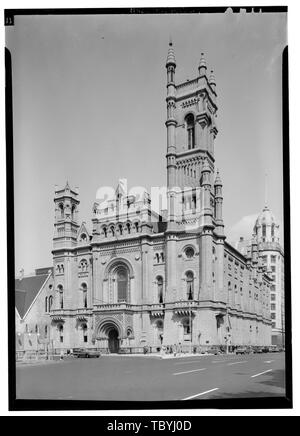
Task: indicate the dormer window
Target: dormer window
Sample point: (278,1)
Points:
(83,237)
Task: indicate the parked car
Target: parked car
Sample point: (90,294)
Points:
(213,350)
(257,350)
(82,352)
(242,350)
(274,349)
(265,350)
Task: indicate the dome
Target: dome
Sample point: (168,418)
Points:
(266,217)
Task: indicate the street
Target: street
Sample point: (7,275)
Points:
(138,378)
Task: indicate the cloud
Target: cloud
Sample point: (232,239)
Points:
(243,227)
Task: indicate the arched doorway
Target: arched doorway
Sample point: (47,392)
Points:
(113,341)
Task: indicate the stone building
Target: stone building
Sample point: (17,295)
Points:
(271,257)
(141,278)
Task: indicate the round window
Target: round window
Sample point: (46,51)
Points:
(189,252)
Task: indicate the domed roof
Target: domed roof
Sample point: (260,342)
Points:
(266,217)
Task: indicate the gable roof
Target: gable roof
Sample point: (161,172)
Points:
(26,290)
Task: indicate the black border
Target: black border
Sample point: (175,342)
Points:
(55,405)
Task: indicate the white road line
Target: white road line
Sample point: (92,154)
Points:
(187,372)
(261,373)
(269,361)
(198,395)
(235,363)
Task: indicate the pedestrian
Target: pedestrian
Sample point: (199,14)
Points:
(61,355)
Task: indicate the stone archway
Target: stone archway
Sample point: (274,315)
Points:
(109,335)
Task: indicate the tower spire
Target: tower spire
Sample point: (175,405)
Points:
(202,65)
(266,193)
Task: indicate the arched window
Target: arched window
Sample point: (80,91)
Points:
(73,210)
(61,296)
(128,228)
(157,257)
(120,229)
(112,229)
(160,285)
(50,302)
(61,210)
(273,230)
(46,304)
(263,230)
(84,332)
(84,294)
(83,237)
(83,266)
(122,283)
(162,257)
(36,329)
(105,232)
(46,331)
(61,333)
(190,126)
(190,285)
(136,227)
(189,252)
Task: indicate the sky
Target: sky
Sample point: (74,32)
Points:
(89,107)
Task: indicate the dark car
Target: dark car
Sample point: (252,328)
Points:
(265,350)
(213,350)
(257,350)
(82,352)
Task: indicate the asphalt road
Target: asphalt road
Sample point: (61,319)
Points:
(150,378)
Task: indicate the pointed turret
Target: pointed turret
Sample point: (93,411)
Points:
(202,66)
(171,55)
(212,80)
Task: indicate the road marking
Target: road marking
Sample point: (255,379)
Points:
(187,372)
(198,395)
(185,363)
(235,363)
(261,373)
(269,361)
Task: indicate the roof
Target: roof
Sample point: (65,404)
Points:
(26,290)
(265,217)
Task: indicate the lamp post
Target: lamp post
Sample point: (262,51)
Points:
(190,322)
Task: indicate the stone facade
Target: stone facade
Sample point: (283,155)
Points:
(141,278)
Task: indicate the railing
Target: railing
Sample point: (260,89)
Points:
(113,306)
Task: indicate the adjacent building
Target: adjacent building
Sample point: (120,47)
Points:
(271,257)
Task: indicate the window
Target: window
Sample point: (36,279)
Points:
(273,306)
(36,329)
(112,230)
(273,230)
(46,304)
(160,284)
(61,333)
(264,230)
(73,210)
(189,252)
(190,125)
(120,229)
(105,232)
(61,296)
(84,333)
(83,237)
(46,331)
(273,315)
(83,266)
(273,268)
(128,228)
(273,297)
(186,327)
(61,211)
(273,259)
(122,283)
(50,302)
(84,294)
(136,227)
(190,285)
(273,325)
(264,259)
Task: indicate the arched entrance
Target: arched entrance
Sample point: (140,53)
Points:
(113,340)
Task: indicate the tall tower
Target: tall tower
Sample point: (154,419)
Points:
(191,131)
(66,217)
